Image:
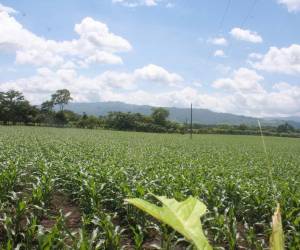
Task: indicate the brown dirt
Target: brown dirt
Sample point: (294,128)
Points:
(1,233)
(62,202)
(241,241)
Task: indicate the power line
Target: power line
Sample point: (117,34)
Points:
(244,21)
(224,15)
(254,3)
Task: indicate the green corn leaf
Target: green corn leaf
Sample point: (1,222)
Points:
(277,236)
(183,216)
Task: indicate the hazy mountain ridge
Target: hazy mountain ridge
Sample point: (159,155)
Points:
(203,116)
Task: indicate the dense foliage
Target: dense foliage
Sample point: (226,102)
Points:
(282,130)
(45,173)
(14,109)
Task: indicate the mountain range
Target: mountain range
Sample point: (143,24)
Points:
(202,116)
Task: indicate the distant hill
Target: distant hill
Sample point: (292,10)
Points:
(203,116)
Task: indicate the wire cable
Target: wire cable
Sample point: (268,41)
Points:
(224,15)
(254,3)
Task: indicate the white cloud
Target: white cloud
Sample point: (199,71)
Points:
(156,73)
(275,103)
(242,92)
(218,41)
(150,2)
(242,80)
(246,95)
(98,34)
(175,98)
(197,84)
(96,44)
(246,35)
(292,5)
(47,80)
(103,57)
(255,56)
(280,60)
(113,86)
(38,58)
(219,53)
(135,3)
(6,9)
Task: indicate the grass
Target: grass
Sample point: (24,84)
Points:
(95,170)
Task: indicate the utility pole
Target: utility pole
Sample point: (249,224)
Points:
(191,128)
(186,128)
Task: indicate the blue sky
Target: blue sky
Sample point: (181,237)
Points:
(232,56)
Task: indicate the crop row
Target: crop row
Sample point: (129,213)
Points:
(65,188)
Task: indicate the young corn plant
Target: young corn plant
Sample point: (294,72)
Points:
(111,234)
(57,236)
(138,237)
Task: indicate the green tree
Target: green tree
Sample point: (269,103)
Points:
(71,116)
(60,118)
(26,113)
(14,108)
(159,116)
(285,128)
(242,126)
(84,116)
(119,120)
(92,122)
(2,107)
(61,97)
(88,121)
(47,106)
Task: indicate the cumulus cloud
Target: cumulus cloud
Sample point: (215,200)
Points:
(135,3)
(96,44)
(247,96)
(6,9)
(246,35)
(255,56)
(278,102)
(219,53)
(115,86)
(156,73)
(242,80)
(280,60)
(175,98)
(292,5)
(47,80)
(218,41)
(241,93)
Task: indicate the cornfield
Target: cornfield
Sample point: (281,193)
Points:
(65,188)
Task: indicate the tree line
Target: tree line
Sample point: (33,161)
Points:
(282,130)
(15,109)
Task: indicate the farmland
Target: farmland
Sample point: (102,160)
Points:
(65,188)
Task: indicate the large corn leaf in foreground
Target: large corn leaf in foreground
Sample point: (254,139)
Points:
(183,216)
(277,236)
